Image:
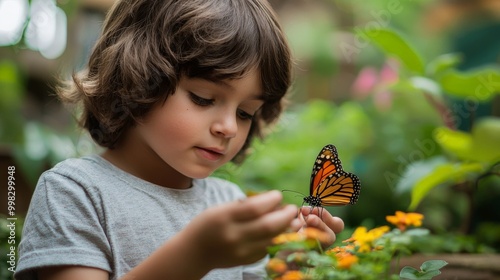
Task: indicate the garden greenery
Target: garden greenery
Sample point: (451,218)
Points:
(367,254)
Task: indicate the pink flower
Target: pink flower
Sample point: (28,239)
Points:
(365,82)
(377,83)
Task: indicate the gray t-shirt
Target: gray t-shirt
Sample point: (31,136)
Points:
(87,212)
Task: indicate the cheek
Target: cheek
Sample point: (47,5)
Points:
(176,124)
(170,124)
(243,131)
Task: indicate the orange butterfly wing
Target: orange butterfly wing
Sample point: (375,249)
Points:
(330,185)
(327,163)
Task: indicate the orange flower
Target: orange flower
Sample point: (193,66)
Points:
(345,257)
(403,220)
(346,260)
(292,275)
(276,266)
(339,250)
(299,257)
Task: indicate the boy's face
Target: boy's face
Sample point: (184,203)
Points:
(203,125)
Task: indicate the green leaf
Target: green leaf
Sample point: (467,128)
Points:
(455,142)
(428,274)
(486,140)
(479,85)
(416,170)
(446,173)
(443,63)
(481,145)
(409,272)
(433,265)
(417,232)
(393,44)
(429,269)
(427,85)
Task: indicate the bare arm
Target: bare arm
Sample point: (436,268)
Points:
(72,272)
(232,234)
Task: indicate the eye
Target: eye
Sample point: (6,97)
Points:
(200,101)
(244,115)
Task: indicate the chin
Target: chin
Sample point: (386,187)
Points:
(199,174)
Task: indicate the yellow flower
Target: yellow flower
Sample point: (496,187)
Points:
(287,237)
(376,233)
(307,234)
(403,220)
(364,238)
(250,193)
(292,275)
(316,234)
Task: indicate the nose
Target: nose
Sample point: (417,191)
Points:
(225,125)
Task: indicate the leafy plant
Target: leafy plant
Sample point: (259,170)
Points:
(367,254)
(467,157)
(428,270)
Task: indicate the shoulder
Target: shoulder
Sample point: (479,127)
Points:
(76,176)
(84,169)
(73,166)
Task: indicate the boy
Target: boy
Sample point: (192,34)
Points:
(174,89)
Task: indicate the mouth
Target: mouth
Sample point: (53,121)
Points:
(211,154)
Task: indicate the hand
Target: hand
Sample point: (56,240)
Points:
(327,223)
(239,233)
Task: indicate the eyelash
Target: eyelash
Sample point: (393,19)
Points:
(200,101)
(244,115)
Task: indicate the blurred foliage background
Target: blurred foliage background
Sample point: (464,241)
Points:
(368,100)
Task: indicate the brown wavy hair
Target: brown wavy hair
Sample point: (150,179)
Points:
(146,45)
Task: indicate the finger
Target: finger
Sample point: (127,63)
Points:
(270,224)
(256,250)
(334,223)
(315,222)
(306,210)
(297,224)
(256,206)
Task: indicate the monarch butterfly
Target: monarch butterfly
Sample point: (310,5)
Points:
(330,185)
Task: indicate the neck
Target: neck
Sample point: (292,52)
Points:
(133,156)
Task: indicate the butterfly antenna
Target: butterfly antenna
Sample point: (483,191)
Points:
(298,193)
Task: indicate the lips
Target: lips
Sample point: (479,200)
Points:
(211,154)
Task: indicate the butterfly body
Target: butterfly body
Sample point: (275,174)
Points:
(330,185)
(313,201)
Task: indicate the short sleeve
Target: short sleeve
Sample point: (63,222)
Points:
(62,227)
(256,271)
